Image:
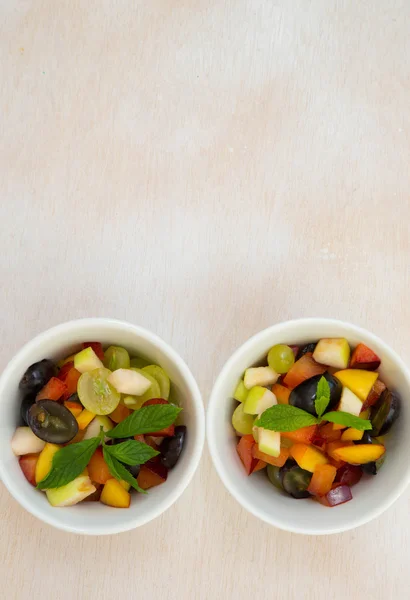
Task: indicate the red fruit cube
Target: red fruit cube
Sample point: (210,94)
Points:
(28,464)
(244,449)
(151,475)
(65,369)
(375,393)
(304,368)
(96,346)
(70,377)
(168,431)
(53,390)
(364,358)
(339,494)
(349,475)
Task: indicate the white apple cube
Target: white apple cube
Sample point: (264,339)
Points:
(259,376)
(333,352)
(350,403)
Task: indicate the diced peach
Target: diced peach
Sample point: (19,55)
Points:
(328,433)
(271,460)
(65,368)
(53,390)
(308,457)
(332,446)
(85,418)
(351,435)
(120,413)
(151,475)
(360,454)
(96,346)
(358,381)
(261,464)
(281,392)
(45,461)
(115,495)
(304,434)
(70,378)
(338,427)
(322,480)
(364,358)
(375,393)
(98,470)
(303,369)
(28,464)
(75,408)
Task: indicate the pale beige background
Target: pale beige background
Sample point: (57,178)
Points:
(204,168)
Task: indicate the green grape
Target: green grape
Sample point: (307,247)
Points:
(116,357)
(96,394)
(281,358)
(242,423)
(138,363)
(162,378)
(274,476)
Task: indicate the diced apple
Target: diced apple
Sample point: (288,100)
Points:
(360,454)
(128,381)
(350,403)
(269,442)
(72,493)
(307,457)
(241,392)
(45,461)
(87,360)
(24,441)
(333,352)
(259,399)
(364,358)
(358,381)
(260,376)
(28,464)
(94,428)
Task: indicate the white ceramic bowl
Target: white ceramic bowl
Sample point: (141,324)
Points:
(370,497)
(95,518)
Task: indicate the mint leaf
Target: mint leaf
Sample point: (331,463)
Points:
(284,417)
(118,470)
(69,463)
(322,396)
(148,419)
(343,418)
(132,452)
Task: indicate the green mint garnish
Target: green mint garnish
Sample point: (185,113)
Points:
(283,417)
(322,396)
(343,418)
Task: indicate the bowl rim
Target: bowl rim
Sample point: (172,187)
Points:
(51,517)
(212,412)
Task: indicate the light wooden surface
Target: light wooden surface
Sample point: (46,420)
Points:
(204,168)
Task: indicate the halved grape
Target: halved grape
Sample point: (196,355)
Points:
(242,422)
(135,402)
(281,358)
(116,357)
(274,476)
(138,363)
(161,377)
(96,394)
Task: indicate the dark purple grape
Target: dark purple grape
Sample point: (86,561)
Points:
(171,447)
(114,441)
(26,404)
(366,439)
(133,469)
(295,482)
(52,422)
(305,349)
(304,395)
(37,375)
(384,413)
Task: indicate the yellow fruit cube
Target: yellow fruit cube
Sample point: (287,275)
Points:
(114,494)
(357,381)
(45,461)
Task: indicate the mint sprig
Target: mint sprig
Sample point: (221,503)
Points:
(69,462)
(147,419)
(285,417)
(343,418)
(322,396)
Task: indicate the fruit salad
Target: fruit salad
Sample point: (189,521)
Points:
(97,425)
(315,418)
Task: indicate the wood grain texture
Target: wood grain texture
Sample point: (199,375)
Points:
(204,168)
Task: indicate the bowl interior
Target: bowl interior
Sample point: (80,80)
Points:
(370,497)
(95,518)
